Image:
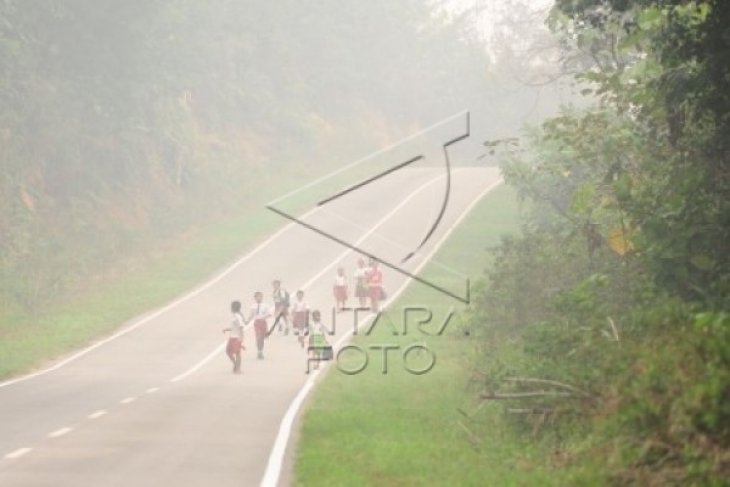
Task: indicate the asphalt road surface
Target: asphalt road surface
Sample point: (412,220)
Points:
(158,405)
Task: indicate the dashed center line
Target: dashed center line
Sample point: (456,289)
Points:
(60,432)
(17,453)
(97,414)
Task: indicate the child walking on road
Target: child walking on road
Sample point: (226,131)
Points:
(340,289)
(375,285)
(260,312)
(300,317)
(361,283)
(281,307)
(235,337)
(317,340)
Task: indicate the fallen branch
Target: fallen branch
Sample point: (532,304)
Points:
(538,424)
(527,395)
(614,329)
(530,411)
(473,439)
(463,413)
(529,380)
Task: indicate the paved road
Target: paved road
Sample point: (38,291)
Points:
(159,405)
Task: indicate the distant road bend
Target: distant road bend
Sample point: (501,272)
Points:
(158,405)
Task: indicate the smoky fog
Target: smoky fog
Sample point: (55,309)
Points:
(385,242)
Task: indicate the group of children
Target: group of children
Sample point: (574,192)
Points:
(368,286)
(306,323)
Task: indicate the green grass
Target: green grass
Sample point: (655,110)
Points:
(403,429)
(28,341)
(159,271)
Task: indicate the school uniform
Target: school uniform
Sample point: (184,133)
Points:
(281,303)
(340,288)
(300,315)
(375,284)
(317,338)
(235,334)
(361,282)
(281,308)
(260,313)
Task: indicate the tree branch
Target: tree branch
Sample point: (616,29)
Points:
(530,380)
(530,411)
(528,395)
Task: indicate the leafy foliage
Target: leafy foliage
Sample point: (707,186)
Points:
(125,122)
(619,284)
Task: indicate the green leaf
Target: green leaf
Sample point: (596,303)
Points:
(583,198)
(702,262)
(650,18)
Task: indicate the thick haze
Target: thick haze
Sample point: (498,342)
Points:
(127,123)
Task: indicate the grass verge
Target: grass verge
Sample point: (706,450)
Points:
(157,273)
(29,341)
(159,268)
(397,428)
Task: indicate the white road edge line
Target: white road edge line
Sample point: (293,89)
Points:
(97,414)
(368,157)
(17,453)
(60,432)
(128,400)
(379,223)
(160,311)
(152,390)
(276,457)
(372,230)
(200,364)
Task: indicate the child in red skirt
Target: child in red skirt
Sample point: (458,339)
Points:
(340,289)
(300,316)
(375,285)
(259,314)
(235,337)
(361,283)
